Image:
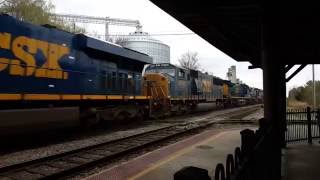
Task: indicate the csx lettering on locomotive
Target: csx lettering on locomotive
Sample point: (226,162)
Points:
(24,64)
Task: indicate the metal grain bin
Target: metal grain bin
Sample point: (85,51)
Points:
(143,42)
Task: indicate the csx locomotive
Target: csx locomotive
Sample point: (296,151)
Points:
(181,89)
(50,77)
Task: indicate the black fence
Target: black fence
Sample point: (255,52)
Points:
(302,125)
(251,161)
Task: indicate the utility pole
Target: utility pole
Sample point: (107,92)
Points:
(106,32)
(314,88)
(74,27)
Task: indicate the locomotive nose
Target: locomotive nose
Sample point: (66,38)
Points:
(155,85)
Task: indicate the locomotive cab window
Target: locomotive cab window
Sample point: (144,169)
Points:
(181,74)
(170,72)
(114,80)
(137,76)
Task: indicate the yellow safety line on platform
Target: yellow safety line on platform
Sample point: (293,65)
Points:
(173,156)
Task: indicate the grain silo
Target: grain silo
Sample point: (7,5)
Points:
(143,42)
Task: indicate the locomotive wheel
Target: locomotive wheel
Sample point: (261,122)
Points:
(180,110)
(168,113)
(87,123)
(139,116)
(122,116)
(188,109)
(88,119)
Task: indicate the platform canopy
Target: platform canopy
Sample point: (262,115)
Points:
(238,27)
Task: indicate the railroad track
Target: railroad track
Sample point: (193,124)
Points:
(71,162)
(242,114)
(64,164)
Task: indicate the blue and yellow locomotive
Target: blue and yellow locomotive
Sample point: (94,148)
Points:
(183,88)
(47,75)
(53,78)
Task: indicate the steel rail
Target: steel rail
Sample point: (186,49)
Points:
(71,162)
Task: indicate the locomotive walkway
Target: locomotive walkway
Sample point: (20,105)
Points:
(201,150)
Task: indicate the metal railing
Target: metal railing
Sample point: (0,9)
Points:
(250,162)
(302,125)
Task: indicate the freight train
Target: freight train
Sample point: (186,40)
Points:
(50,77)
(182,89)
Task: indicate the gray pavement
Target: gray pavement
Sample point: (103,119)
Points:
(302,162)
(205,154)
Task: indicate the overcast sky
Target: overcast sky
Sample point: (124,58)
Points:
(156,21)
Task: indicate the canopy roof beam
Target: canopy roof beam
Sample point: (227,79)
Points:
(295,72)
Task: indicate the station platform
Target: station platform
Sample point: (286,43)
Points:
(302,161)
(203,150)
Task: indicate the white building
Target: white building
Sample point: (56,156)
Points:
(232,74)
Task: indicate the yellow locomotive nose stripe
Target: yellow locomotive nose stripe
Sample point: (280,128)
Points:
(41,97)
(10,96)
(115,97)
(70,97)
(94,97)
(36,97)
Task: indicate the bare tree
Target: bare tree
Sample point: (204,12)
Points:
(2,2)
(189,60)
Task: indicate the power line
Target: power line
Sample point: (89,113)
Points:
(130,35)
(110,21)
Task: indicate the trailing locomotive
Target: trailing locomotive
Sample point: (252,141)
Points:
(52,78)
(182,89)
